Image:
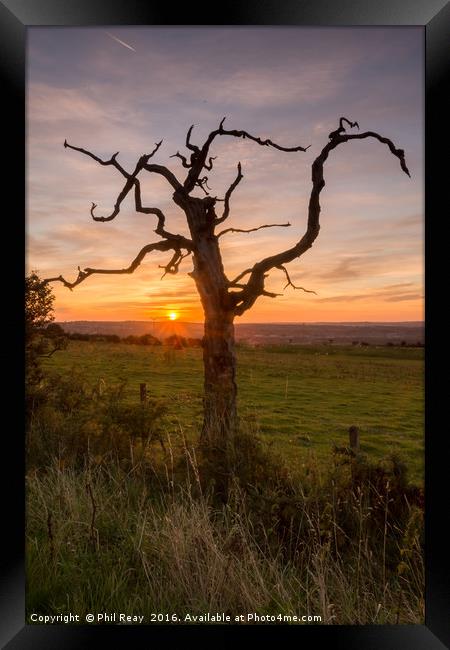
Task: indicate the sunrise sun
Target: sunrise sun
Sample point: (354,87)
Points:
(173,315)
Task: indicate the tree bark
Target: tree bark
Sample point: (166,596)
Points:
(220,390)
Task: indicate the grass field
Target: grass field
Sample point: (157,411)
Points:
(302,399)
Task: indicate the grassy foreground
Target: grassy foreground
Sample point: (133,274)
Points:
(122,515)
(106,540)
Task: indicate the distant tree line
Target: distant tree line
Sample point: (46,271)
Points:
(390,344)
(175,341)
(55,332)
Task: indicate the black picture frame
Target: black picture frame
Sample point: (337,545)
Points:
(15,17)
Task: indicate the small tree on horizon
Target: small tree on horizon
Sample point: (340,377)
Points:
(43,337)
(222,298)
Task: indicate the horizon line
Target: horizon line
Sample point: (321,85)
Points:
(319,322)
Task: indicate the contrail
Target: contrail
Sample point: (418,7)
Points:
(121,42)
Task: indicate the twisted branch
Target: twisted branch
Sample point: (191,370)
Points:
(160,229)
(209,164)
(190,146)
(163,246)
(111,161)
(199,156)
(203,182)
(174,263)
(244,134)
(229,192)
(131,178)
(290,283)
(183,159)
(234,283)
(341,128)
(266,225)
(398,153)
(255,285)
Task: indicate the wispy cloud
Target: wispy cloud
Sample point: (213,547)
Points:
(389,293)
(349,267)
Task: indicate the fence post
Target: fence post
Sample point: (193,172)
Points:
(353,434)
(143,392)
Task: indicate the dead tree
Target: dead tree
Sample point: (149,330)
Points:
(222,298)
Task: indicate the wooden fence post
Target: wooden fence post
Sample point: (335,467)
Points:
(353,434)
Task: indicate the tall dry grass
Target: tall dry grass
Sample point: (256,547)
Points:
(107,538)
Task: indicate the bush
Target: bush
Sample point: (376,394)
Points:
(149,339)
(78,336)
(145,339)
(72,420)
(53,331)
(356,499)
(42,336)
(176,342)
(96,338)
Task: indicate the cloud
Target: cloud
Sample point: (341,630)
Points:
(350,267)
(389,293)
(345,298)
(406,296)
(409,221)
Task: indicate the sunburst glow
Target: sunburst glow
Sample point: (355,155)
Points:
(173,315)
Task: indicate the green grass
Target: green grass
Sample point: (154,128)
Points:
(302,399)
(102,539)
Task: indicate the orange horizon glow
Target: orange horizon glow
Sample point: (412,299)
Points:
(307,310)
(101,299)
(144,297)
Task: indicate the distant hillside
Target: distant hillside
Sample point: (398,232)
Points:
(254,333)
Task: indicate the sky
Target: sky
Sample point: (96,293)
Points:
(110,89)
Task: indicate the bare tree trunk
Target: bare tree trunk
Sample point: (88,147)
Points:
(220,391)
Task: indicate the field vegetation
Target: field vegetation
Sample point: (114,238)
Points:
(300,399)
(122,514)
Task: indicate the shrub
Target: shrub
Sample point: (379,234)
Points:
(78,336)
(176,342)
(145,339)
(53,330)
(42,337)
(149,339)
(74,419)
(355,501)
